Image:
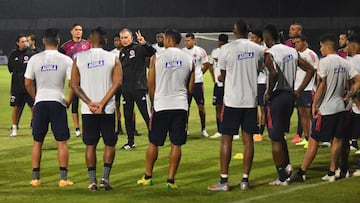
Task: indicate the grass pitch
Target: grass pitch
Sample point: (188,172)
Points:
(198,169)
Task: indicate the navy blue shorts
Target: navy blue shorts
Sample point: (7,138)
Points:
(75,104)
(198,94)
(261,92)
(278,114)
(169,121)
(50,112)
(21,99)
(96,125)
(118,95)
(354,126)
(233,118)
(218,95)
(324,128)
(305,99)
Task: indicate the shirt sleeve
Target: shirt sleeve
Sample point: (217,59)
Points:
(322,70)
(29,73)
(213,57)
(203,56)
(69,64)
(221,59)
(352,71)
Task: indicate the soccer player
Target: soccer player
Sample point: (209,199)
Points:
(304,101)
(32,43)
(134,87)
(117,48)
(343,40)
(239,62)
(218,93)
(17,63)
(201,66)
(75,45)
(97,102)
(159,45)
(295,29)
(256,36)
(328,107)
(171,77)
(50,69)
(281,61)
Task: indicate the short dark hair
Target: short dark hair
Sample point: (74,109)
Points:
(21,35)
(174,34)
(272,30)
(354,39)
(190,34)
(302,37)
(223,38)
(330,38)
(242,27)
(51,36)
(116,35)
(101,33)
(75,24)
(32,36)
(258,33)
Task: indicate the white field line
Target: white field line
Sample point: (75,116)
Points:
(283,191)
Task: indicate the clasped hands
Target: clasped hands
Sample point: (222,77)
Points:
(96,107)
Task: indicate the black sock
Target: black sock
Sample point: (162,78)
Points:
(261,130)
(63,173)
(172,181)
(245,180)
(282,173)
(223,178)
(218,124)
(77,129)
(331,173)
(300,172)
(36,173)
(147,177)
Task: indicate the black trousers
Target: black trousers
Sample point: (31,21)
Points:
(129,99)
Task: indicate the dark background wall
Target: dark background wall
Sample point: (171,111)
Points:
(18,16)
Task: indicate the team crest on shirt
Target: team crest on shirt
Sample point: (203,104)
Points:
(83,46)
(26,58)
(132,54)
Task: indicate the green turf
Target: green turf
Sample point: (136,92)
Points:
(198,169)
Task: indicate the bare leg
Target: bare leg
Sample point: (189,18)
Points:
(36,154)
(202,114)
(175,157)
(248,152)
(225,153)
(310,154)
(63,154)
(151,157)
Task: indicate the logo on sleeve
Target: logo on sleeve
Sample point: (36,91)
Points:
(49,68)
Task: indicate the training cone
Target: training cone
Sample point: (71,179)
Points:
(238,156)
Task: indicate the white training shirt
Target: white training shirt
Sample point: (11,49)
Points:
(116,52)
(157,48)
(262,77)
(311,57)
(199,58)
(241,59)
(95,68)
(354,63)
(49,68)
(172,72)
(286,59)
(337,73)
(214,62)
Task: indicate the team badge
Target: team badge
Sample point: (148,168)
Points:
(26,58)
(83,46)
(132,54)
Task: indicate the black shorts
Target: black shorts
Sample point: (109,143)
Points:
(261,92)
(118,95)
(218,95)
(233,118)
(50,112)
(278,114)
(305,99)
(172,121)
(354,126)
(324,128)
(198,94)
(21,99)
(96,125)
(75,104)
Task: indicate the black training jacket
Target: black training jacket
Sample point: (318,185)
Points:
(133,63)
